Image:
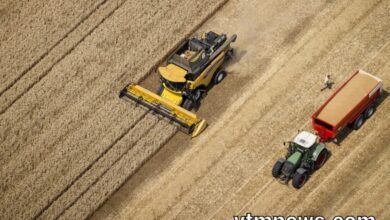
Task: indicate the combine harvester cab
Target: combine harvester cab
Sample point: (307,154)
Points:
(184,80)
(350,104)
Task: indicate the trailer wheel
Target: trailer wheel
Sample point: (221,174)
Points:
(358,122)
(299,179)
(321,159)
(277,169)
(369,111)
(219,76)
(188,104)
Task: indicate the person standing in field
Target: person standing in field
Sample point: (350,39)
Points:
(327,82)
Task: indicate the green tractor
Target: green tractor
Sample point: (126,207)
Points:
(304,156)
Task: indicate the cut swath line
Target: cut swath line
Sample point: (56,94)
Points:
(45,73)
(137,168)
(34,63)
(108,168)
(91,164)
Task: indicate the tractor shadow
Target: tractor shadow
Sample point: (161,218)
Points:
(347,130)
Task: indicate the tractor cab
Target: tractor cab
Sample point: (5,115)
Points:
(303,142)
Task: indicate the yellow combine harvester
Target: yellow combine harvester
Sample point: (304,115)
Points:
(185,79)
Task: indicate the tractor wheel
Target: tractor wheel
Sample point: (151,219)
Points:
(321,159)
(188,104)
(369,111)
(219,76)
(299,179)
(277,169)
(358,122)
(160,90)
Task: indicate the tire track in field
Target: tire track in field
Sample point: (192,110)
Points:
(144,149)
(61,167)
(72,203)
(72,107)
(42,56)
(8,103)
(31,27)
(140,119)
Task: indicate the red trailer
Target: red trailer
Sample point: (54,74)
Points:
(350,104)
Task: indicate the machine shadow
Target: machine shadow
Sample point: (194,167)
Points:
(238,55)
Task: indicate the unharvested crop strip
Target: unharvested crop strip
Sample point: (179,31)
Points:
(48,149)
(106,170)
(45,73)
(134,171)
(52,47)
(91,164)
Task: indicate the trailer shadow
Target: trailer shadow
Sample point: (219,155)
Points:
(346,131)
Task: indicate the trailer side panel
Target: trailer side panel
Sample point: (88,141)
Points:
(346,104)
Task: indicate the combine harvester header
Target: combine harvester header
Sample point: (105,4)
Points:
(186,119)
